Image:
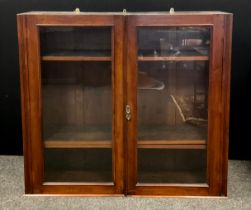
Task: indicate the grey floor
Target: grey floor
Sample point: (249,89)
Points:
(12,188)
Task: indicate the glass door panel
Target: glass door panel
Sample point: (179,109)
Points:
(78,165)
(77,105)
(172,104)
(75,41)
(171,166)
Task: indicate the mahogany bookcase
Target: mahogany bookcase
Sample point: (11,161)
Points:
(125,103)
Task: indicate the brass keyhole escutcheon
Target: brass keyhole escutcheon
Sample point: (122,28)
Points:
(128,112)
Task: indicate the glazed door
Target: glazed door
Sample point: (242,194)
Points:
(173,107)
(74,74)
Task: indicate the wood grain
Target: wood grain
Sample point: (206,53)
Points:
(25,101)
(215,108)
(34,82)
(118,102)
(131,76)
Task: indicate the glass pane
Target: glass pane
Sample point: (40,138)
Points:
(173,41)
(172,100)
(89,41)
(78,165)
(77,101)
(77,104)
(172,166)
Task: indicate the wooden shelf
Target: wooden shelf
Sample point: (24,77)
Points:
(78,144)
(195,54)
(142,144)
(78,136)
(75,58)
(172,144)
(91,55)
(173,58)
(159,137)
(183,136)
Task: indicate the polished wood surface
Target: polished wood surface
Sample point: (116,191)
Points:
(124,140)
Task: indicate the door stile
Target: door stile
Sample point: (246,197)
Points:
(132,103)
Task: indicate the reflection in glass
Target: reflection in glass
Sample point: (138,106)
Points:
(172,102)
(173,41)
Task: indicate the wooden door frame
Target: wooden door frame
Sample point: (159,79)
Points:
(218,102)
(30,72)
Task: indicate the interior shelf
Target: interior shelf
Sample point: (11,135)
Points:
(78,143)
(195,54)
(75,58)
(154,136)
(173,58)
(90,55)
(172,144)
(182,136)
(77,136)
(144,144)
